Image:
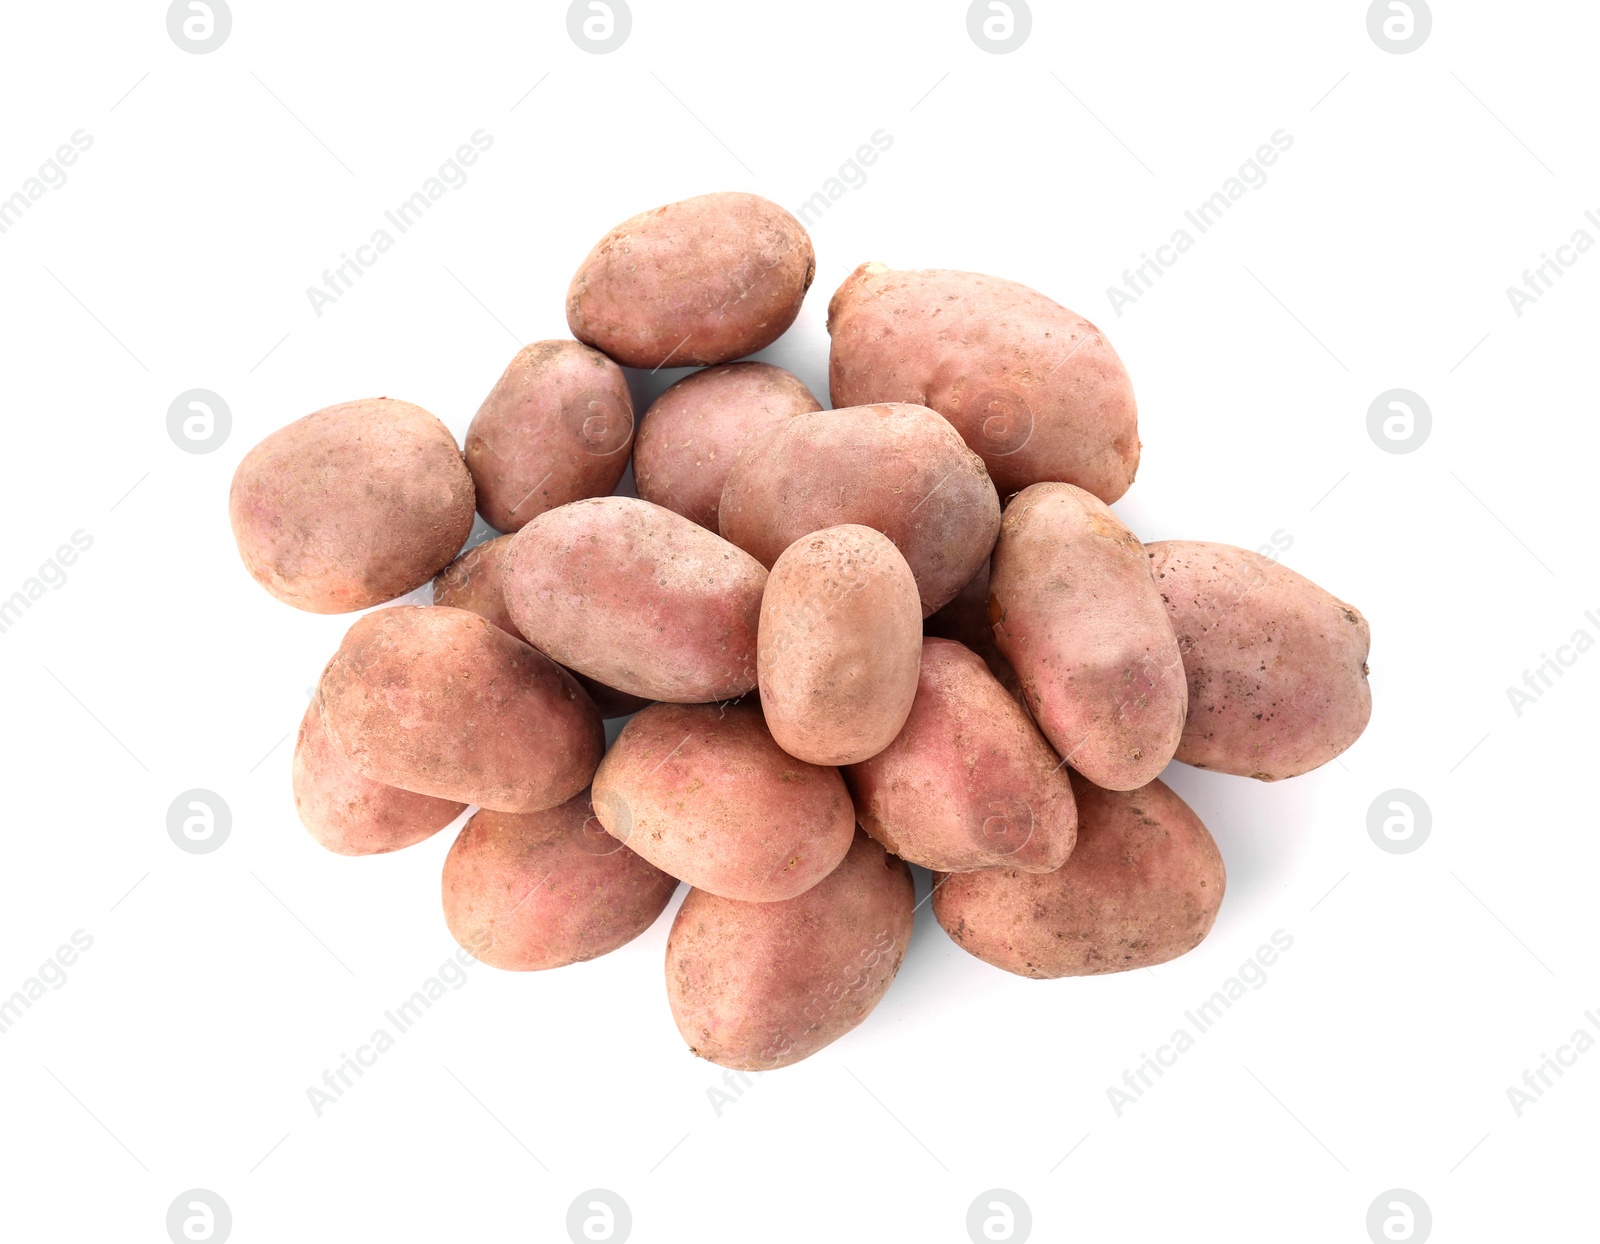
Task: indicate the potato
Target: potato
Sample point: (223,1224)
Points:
(969,782)
(556,427)
(704,792)
(695,283)
(352,506)
(841,640)
(442,702)
(1142,886)
(898,469)
(966,620)
(757,986)
(693,432)
(639,598)
(1034,388)
(525,891)
(1076,611)
(353,815)
(1277,667)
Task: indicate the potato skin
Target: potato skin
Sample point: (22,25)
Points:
(841,642)
(1076,611)
(1277,667)
(695,283)
(757,986)
(528,891)
(352,506)
(693,432)
(899,469)
(639,598)
(704,792)
(442,702)
(1142,886)
(969,782)
(1034,388)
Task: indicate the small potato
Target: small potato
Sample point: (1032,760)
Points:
(353,815)
(1277,667)
(1076,612)
(757,986)
(639,598)
(1142,886)
(444,703)
(557,427)
(841,641)
(544,889)
(969,782)
(1034,388)
(352,506)
(704,792)
(695,283)
(899,469)
(693,432)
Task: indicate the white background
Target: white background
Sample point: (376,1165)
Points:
(1377,256)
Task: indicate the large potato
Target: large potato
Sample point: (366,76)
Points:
(757,986)
(1034,388)
(841,640)
(524,891)
(969,782)
(899,469)
(1277,667)
(444,703)
(704,792)
(1142,886)
(639,598)
(556,427)
(1076,611)
(695,283)
(352,506)
(693,432)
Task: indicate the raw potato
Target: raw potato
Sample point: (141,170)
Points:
(1142,886)
(969,782)
(1076,611)
(693,432)
(639,598)
(442,702)
(544,889)
(704,792)
(353,815)
(695,283)
(757,986)
(352,506)
(841,641)
(557,427)
(1277,667)
(899,469)
(1034,388)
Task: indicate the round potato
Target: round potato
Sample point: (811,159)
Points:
(352,506)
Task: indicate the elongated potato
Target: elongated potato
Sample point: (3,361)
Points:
(556,427)
(1076,611)
(841,641)
(1142,886)
(703,281)
(703,792)
(1277,667)
(352,506)
(1034,388)
(544,889)
(969,782)
(442,702)
(898,469)
(639,598)
(757,986)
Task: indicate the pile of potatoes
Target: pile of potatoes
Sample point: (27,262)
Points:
(906,631)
